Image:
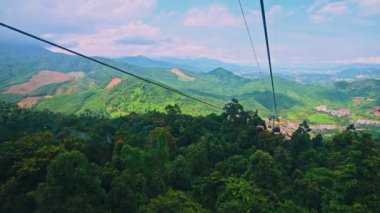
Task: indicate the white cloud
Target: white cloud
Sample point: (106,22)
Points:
(320,12)
(336,8)
(111,11)
(216,15)
(74,15)
(111,41)
(369,7)
(275,13)
(137,38)
(275,10)
(365,8)
(316,4)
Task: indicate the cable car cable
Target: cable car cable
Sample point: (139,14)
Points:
(268,52)
(253,49)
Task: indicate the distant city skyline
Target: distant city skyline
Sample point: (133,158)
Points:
(301,33)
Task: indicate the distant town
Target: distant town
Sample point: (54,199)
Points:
(339,112)
(346,113)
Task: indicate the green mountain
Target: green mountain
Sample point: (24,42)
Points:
(142,61)
(295,101)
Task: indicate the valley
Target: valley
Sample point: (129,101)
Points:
(44,83)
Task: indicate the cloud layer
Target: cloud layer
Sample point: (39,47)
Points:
(215,15)
(74,15)
(328,11)
(324,30)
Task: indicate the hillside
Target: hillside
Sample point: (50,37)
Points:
(296,101)
(128,96)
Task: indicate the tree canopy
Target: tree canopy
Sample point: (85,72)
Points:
(172,162)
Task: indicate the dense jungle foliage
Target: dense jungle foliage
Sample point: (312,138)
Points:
(171,162)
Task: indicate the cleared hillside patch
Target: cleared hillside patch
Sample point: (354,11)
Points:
(44,77)
(31,101)
(181,75)
(113,83)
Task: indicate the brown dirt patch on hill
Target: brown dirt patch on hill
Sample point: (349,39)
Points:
(180,74)
(113,83)
(31,101)
(44,77)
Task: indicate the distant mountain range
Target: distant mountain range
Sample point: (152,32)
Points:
(356,66)
(196,65)
(349,72)
(86,85)
(344,73)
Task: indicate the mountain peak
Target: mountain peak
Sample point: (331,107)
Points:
(143,61)
(20,48)
(220,71)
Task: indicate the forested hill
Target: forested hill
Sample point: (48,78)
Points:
(35,77)
(171,162)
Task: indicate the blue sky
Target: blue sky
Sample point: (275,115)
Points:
(301,32)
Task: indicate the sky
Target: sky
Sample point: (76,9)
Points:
(301,32)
